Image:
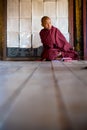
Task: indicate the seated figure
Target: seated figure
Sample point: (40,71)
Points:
(55,45)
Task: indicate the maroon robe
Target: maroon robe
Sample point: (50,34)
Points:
(53,43)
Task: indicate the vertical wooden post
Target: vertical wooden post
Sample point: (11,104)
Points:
(85,28)
(71,21)
(4,28)
(79,27)
(1,29)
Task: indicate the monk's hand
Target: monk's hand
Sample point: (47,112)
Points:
(73,48)
(59,54)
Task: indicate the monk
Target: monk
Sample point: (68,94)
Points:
(55,45)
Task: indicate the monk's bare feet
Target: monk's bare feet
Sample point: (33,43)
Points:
(43,59)
(59,56)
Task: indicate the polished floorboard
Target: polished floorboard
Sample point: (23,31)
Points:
(44,95)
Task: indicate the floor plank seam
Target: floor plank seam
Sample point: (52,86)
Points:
(81,80)
(67,125)
(5,108)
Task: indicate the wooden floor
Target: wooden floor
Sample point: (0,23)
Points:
(43,95)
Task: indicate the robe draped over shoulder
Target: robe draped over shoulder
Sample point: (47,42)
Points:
(54,42)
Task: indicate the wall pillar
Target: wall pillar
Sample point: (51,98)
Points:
(71,21)
(85,28)
(1,29)
(79,27)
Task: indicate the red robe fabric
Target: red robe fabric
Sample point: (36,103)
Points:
(54,42)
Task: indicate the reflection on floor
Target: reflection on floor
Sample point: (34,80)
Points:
(43,95)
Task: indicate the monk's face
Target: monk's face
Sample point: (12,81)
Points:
(47,24)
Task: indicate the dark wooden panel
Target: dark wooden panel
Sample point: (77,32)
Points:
(24,52)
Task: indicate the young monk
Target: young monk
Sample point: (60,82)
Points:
(55,45)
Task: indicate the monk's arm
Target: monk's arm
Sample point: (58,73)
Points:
(62,42)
